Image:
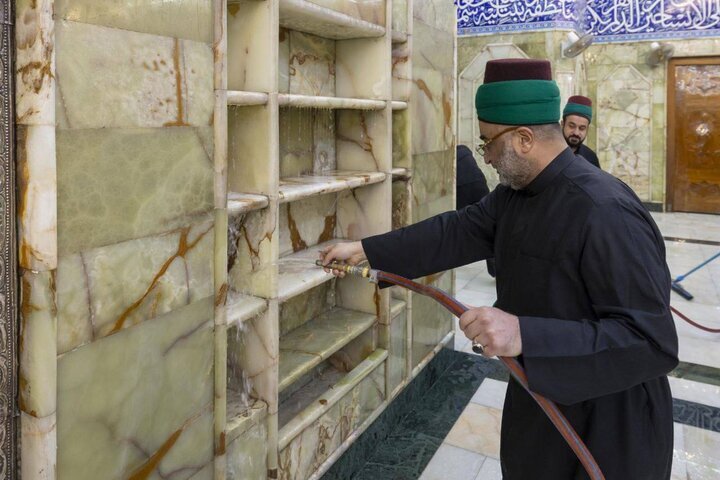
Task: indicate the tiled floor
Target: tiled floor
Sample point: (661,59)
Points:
(470,449)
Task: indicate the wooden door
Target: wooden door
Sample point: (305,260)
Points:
(693,166)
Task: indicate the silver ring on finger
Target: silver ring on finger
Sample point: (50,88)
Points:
(478,348)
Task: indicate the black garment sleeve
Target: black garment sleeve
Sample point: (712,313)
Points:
(439,243)
(470,193)
(633,338)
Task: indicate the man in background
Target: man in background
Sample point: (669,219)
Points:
(576,121)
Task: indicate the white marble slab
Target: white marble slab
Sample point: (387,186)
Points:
(296,188)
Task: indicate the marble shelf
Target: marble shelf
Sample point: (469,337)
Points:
(400,173)
(307,346)
(237,98)
(301,398)
(399,37)
(239,203)
(298,272)
(308,17)
(242,414)
(396,307)
(333,103)
(325,402)
(296,188)
(240,307)
(398,105)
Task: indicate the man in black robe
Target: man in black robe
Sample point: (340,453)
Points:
(582,289)
(577,116)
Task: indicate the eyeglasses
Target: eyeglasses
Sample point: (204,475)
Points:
(483,145)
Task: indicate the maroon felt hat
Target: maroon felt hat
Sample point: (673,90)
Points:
(506,69)
(580,100)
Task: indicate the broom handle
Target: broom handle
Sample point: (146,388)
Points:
(682,277)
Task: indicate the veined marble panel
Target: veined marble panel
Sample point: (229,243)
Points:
(247,454)
(308,450)
(311,65)
(400,204)
(34,62)
(372,11)
(432,48)
(429,209)
(364,211)
(37,197)
(401,138)
(284,60)
(307,141)
(136,183)
(439,14)
(430,321)
(253,358)
(624,127)
(362,140)
(252,244)
(125,409)
(252,150)
(400,15)
(38,328)
(363,69)
(433,177)
(38,437)
(397,351)
(137,80)
(401,71)
(250,37)
(298,310)
(307,222)
(104,290)
(190,19)
(431,108)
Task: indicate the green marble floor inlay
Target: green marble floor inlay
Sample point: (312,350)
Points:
(697,373)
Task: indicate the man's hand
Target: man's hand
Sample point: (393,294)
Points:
(497,331)
(348,252)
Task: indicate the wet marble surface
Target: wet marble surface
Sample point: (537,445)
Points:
(153,417)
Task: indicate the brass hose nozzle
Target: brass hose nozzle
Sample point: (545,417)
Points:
(350,269)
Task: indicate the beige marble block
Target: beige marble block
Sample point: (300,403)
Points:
(298,310)
(363,142)
(624,127)
(252,149)
(401,204)
(363,68)
(432,48)
(137,80)
(220,38)
(309,450)
(136,183)
(37,197)
(433,176)
(437,13)
(430,321)
(284,60)
(400,15)
(38,328)
(401,71)
(105,290)
(189,19)
(311,65)
(252,250)
(220,150)
(401,138)
(126,409)
(372,11)
(38,437)
(34,62)
(397,343)
(305,223)
(253,357)
(251,54)
(431,108)
(246,457)
(297,133)
(364,211)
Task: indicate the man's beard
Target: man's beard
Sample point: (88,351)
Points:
(513,170)
(574,141)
